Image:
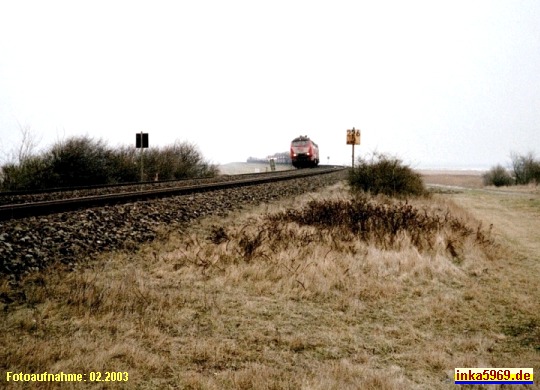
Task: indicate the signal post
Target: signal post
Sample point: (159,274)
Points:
(353,138)
(141,142)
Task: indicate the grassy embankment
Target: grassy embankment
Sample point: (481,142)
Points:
(270,298)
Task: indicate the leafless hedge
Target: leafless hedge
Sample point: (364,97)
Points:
(85,161)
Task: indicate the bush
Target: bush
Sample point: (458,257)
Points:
(497,176)
(125,165)
(83,161)
(382,223)
(386,175)
(31,173)
(526,168)
(178,161)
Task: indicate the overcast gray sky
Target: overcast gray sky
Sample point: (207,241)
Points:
(437,83)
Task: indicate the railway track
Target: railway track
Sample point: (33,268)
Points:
(75,199)
(28,196)
(31,240)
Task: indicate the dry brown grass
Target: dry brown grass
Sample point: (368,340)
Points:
(252,302)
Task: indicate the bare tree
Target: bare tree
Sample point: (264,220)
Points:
(525,167)
(28,143)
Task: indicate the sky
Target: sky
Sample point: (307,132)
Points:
(439,84)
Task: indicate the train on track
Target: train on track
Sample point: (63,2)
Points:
(304,152)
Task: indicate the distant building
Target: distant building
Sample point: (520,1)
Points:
(256,160)
(279,158)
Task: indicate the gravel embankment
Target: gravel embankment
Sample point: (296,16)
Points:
(33,243)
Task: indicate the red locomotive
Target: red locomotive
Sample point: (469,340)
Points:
(304,152)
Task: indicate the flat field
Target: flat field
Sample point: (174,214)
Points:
(469,179)
(291,295)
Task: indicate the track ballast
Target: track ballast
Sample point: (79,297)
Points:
(35,242)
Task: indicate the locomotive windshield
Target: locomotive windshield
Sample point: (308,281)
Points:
(299,143)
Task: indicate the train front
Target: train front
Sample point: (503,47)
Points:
(302,152)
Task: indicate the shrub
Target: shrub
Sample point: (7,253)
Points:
(178,161)
(497,176)
(125,165)
(82,161)
(526,168)
(33,172)
(382,223)
(386,175)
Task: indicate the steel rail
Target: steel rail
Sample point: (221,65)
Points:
(120,185)
(6,199)
(22,210)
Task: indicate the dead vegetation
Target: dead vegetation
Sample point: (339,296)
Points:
(382,222)
(321,292)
